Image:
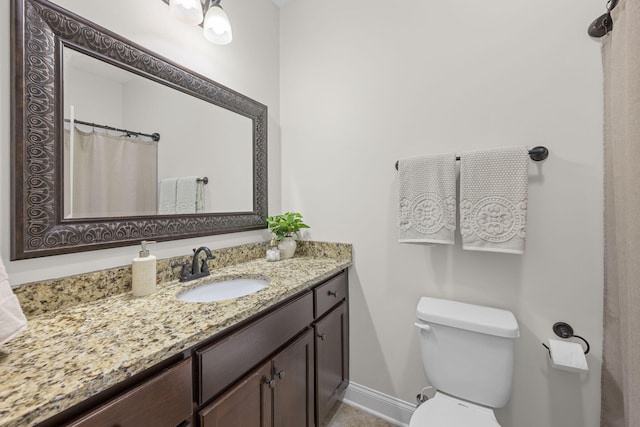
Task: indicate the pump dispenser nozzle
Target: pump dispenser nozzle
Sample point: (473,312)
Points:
(145,252)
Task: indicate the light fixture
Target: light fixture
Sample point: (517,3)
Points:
(216,25)
(217,28)
(187,11)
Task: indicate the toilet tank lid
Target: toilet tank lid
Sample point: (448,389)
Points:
(470,317)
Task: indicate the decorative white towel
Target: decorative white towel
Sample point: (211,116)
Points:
(493,199)
(427,205)
(12,320)
(167,196)
(186,194)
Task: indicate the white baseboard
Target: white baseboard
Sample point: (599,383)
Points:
(389,408)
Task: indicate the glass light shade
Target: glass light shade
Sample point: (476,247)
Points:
(187,11)
(217,28)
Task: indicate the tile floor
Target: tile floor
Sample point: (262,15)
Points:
(348,416)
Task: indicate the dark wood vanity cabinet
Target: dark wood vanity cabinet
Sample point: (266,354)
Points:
(228,359)
(285,368)
(299,383)
(278,393)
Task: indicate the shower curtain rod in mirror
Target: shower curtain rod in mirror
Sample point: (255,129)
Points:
(154,136)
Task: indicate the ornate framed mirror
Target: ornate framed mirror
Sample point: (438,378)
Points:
(44,37)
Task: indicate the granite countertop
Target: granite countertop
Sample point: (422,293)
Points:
(70,354)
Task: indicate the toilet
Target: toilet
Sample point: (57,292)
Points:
(468,355)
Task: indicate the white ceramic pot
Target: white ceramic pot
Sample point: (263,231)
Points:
(287,247)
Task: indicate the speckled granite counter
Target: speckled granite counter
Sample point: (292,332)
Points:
(70,354)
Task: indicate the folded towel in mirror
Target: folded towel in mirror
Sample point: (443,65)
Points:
(186,194)
(167,196)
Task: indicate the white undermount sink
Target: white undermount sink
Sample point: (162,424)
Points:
(223,290)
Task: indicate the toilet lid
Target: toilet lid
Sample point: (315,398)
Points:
(447,412)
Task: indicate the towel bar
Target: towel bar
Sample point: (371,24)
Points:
(537,154)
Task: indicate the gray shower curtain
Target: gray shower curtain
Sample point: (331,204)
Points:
(621,348)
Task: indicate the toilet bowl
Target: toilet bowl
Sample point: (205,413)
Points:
(447,411)
(468,357)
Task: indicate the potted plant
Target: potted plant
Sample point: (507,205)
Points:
(285,227)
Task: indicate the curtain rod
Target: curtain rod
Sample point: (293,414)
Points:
(154,136)
(537,154)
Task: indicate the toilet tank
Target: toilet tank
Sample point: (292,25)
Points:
(467,349)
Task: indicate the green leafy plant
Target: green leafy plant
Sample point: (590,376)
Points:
(286,225)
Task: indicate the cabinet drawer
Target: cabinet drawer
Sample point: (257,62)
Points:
(164,400)
(223,362)
(330,294)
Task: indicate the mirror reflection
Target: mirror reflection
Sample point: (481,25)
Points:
(217,133)
(202,162)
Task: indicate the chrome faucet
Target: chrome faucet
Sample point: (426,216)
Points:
(196,271)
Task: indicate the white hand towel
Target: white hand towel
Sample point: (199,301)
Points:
(167,196)
(201,200)
(186,194)
(12,320)
(427,205)
(493,199)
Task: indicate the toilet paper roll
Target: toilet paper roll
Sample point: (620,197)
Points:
(568,356)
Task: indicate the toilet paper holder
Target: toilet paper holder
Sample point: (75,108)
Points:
(564,330)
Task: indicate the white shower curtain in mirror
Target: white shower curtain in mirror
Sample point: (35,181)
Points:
(107,175)
(621,350)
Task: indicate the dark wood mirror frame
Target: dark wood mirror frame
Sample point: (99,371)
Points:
(38,228)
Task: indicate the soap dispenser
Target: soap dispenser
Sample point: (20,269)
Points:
(143,271)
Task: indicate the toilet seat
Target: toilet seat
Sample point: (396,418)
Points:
(446,411)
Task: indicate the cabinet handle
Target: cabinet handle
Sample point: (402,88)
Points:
(332,294)
(271,383)
(280,374)
(321,336)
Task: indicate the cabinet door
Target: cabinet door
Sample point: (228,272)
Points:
(332,356)
(248,404)
(293,393)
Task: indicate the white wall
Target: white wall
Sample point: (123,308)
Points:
(212,141)
(367,82)
(248,65)
(94,98)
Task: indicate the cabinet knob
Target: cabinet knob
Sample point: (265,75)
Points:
(280,374)
(332,294)
(321,336)
(271,383)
